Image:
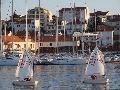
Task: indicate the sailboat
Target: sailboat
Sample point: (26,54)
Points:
(25,70)
(96,67)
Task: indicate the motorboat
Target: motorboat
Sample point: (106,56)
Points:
(9,61)
(68,60)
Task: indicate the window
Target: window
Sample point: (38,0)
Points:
(52,27)
(59,27)
(50,44)
(18,25)
(107,37)
(40,44)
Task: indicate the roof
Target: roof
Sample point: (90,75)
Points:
(115,20)
(18,21)
(99,13)
(53,38)
(69,9)
(9,39)
(104,28)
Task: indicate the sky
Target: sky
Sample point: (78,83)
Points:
(19,6)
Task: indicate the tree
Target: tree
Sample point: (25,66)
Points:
(42,30)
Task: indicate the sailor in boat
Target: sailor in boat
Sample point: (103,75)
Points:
(94,77)
(27,79)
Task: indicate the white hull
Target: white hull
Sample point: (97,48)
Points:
(69,61)
(98,81)
(25,83)
(13,61)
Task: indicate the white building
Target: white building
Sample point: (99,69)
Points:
(18,43)
(45,16)
(77,26)
(68,14)
(105,35)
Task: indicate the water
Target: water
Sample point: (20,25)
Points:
(60,77)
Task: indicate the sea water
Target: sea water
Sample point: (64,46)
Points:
(61,77)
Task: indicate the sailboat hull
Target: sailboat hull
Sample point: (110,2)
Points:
(12,61)
(25,83)
(98,81)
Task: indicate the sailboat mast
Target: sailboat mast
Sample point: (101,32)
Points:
(26,28)
(95,26)
(64,25)
(72,25)
(57,29)
(0,28)
(82,31)
(39,31)
(35,33)
(12,29)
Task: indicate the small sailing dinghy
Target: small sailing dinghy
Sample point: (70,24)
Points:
(96,68)
(24,71)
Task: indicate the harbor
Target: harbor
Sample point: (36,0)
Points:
(65,45)
(61,77)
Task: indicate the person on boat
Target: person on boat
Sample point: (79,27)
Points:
(103,76)
(94,77)
(27,79)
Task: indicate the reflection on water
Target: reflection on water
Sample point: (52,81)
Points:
(60,77)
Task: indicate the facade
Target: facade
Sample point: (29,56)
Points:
(18,43)
(45,16)
(105,35)
(48,44)
(77,26)
(20,25)
(68,14)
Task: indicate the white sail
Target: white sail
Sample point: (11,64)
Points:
(96,63)
(25,66)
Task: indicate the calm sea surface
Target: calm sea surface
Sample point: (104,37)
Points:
(61,77)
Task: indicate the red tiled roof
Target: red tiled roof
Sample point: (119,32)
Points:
(53,38)
(104,28)
(9,39)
